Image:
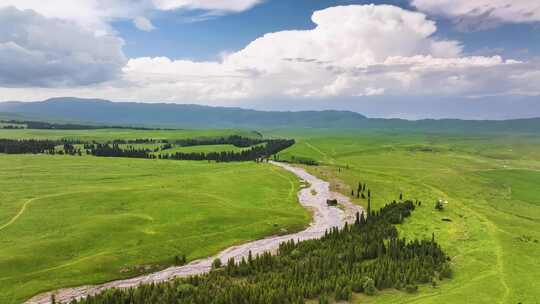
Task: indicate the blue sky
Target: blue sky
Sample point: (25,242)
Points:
(402,58)
(178,36)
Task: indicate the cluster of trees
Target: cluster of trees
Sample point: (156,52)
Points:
(257,152)
(13,127)
(271,147)
(361,191)
(139,141)
(24,146)
(235,140)
(299,160)
(114,150)
(69,149)
(35,146)
(364,257)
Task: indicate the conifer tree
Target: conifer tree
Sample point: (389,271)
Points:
(216,263)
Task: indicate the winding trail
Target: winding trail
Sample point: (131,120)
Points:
(16,217)
(313,197)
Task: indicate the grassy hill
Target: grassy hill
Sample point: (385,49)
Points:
(492,219)
(175,115)
(111,218)
(74,220)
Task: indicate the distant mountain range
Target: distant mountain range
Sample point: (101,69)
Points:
(163,115)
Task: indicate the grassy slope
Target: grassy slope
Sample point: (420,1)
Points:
(67,221)
(494,208)
(111,134)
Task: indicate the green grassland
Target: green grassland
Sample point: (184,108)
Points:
(112,134)
(70,220)
(492,187)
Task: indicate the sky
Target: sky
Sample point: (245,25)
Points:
(399,58)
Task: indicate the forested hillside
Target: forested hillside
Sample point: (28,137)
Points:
(362,258)
(162,115)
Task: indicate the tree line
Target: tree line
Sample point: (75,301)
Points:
(259,148)
(12,127)
(235,140)
(39,146)
(114,150)
(27,146)
(41,125)
(140,141)
(271,147)
(364,257)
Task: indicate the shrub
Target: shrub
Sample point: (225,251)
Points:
(446,271)
(411,288)
(369,286)
(216,263)
(439,205)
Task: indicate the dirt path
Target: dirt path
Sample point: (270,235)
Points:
(314,198)
(16,217)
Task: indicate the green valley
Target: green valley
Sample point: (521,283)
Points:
(491,223)
(69,220)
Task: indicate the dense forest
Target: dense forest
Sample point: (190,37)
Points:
(361,258)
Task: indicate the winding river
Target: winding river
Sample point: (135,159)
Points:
(313,197)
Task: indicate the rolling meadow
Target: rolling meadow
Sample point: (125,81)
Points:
(490,225)
(74,220)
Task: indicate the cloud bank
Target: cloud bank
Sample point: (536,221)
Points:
(353,51)
(96,15)
(39,51)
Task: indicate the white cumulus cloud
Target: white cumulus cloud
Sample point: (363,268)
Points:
(40,51)
(355,50)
